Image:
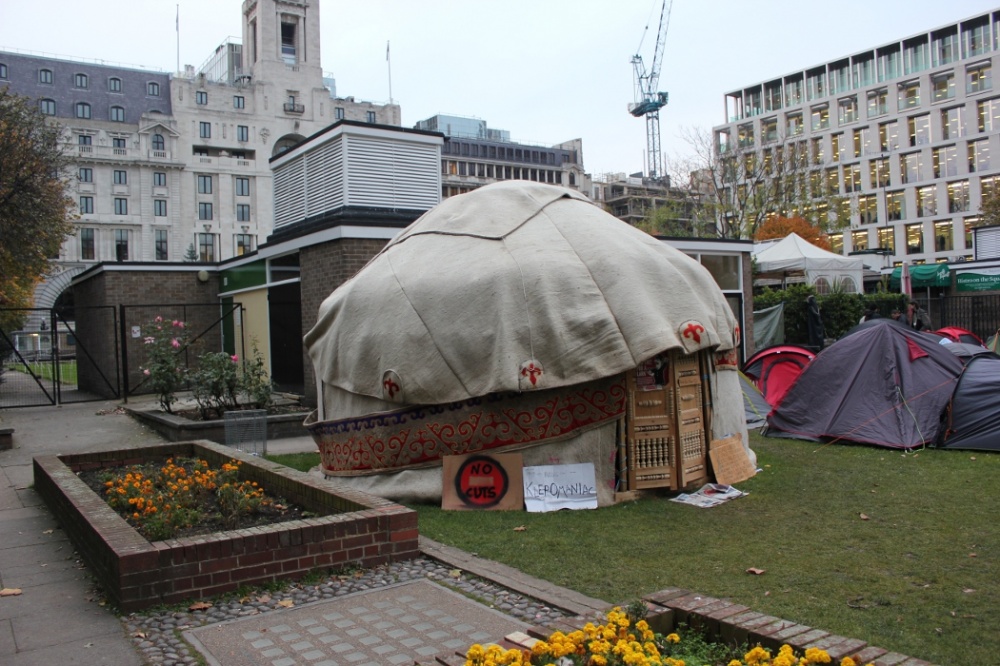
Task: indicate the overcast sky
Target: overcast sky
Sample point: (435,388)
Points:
(545,70)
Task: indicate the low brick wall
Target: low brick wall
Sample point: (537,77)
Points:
(175,428)
(354,528)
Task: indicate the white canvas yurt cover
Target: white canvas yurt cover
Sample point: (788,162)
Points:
(501,320)
(794,254)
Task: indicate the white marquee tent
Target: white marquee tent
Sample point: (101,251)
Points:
(793,259)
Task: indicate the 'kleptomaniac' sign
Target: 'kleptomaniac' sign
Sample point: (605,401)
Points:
(983,279)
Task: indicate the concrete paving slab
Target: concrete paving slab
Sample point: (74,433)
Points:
(104,650)
(37,554)
(20,512)
(31,531)
(77,621)
(392,625)
(7,645)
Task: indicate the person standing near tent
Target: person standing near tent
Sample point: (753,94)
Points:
(917,317)
(815,323)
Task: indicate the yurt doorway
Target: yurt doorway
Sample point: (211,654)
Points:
(666,424)
(284,311)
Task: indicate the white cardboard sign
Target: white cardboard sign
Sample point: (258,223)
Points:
(554,487)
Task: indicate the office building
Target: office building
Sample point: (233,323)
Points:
(906,134)
(170,167)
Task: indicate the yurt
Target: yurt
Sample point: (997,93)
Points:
(521,317)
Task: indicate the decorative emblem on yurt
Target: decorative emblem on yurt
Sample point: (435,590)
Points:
(691,333)
(392,387)
(530,375)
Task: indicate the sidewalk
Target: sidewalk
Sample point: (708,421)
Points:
(58,619)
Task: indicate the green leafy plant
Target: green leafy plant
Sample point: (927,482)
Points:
(215,384)
(164,368)
(255,383)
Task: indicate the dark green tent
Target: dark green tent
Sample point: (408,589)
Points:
(923,275)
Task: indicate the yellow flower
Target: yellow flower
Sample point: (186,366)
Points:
(847,661)
(817,656)
(673,638)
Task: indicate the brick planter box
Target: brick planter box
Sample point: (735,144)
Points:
(354,528)
(175,428)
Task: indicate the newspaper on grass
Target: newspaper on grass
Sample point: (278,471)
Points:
(710,494)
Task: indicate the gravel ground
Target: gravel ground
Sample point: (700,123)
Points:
(156,633)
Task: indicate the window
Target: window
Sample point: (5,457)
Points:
(887,239)
(121,244)
(86,205)
(118,114)
(975,39)
(201,97)
(244,244)
(81,81)
(114,84)
(45,76)
(83,139)
(847,110)
(914,238)
(852,178)
(971,223)
(835,147)
(887,63)
(82,110)
(868,209)
(242,212)
(206,247)
(744,135)
(288,51)
(859,239)
(816,83)
(204,211)
(159,207)
(370,116)
(159,144)
(242,133)
(205,130)
(895,204)
(120,177)
(840,77)
(979,155)
(239,102)
(793,91)
(920,130)
(159,179)
(818,155)
(864,141)
(958,197)
(121,206)
(87,244)
(160,244)
(915,55)
(953,123)
(338,113)
(943,241)
(878,173)
(836,243)
(769,130)
(911,167)
(927,200)
(85,175)
(153,89)
(863,71)
(888,136)
(118,145)
(908,95)
(833,181)
(878,104)
(988,114)
(3,71)
(945,161)
(772,96)
(47,107)
(944,47)
(204,184)
(943,87)
(795,125)
(978,78)
(242,186)
(820,118)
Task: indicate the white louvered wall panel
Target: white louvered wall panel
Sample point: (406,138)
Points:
(289,193)
(325,178)
(390,174)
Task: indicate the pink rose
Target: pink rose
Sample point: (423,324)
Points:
(149,339)
(235,358)
(146,372)
(175,343)
(158,319)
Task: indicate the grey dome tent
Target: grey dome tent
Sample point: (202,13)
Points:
(973,417)
(883,385)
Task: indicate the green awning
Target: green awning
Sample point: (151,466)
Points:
(923,275)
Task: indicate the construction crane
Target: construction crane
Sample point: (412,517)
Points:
(648,100)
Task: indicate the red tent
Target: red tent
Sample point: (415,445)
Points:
(956,334)
(776,368)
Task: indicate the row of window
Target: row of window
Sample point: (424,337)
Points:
(499,172)
(204,242)
(950,123)
(913,233)
(82,81)
(469,149)
(205,208)
(201,99)
(890,62)
(339,114)
(242,131)
(82,110)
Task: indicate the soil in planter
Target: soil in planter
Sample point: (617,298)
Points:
(194,414)
(274,510)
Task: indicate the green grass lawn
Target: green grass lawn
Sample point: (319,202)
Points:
(43,370)
(919,575)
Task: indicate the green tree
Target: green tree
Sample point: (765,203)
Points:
(36,214)
(191,256)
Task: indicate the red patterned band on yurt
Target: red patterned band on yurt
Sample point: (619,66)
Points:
(421,436)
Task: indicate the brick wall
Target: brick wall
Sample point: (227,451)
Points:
(323,268)
(174,294)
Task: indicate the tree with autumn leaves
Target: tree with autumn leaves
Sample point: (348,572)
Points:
(36,214)
(779,227)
